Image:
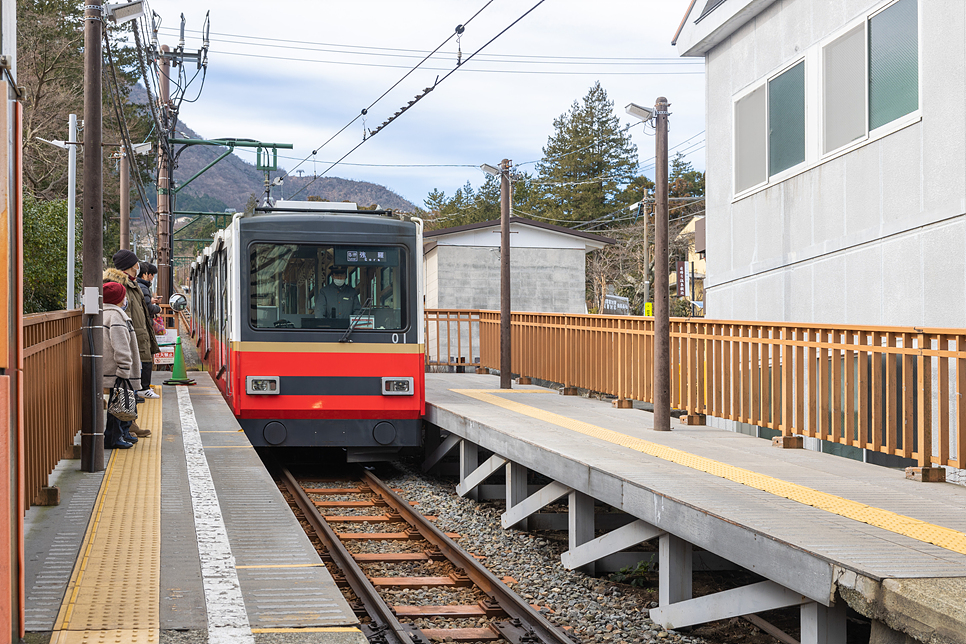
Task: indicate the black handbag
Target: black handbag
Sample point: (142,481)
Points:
(122,403)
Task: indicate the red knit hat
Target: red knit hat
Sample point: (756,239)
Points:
(113,293)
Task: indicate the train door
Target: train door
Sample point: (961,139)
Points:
(223,316)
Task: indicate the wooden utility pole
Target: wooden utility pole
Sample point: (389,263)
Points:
(505,365)
(92,406)
(164,184)
(124,170)
(662,324)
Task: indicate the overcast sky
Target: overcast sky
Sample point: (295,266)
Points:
(296,71)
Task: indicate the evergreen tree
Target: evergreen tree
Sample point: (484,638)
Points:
(587,160)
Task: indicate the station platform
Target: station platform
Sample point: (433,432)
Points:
(824,531)
(184,537)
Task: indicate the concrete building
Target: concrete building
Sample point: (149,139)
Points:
(836,159)
(462,266)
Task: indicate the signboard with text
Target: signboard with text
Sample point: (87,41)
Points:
(166,356)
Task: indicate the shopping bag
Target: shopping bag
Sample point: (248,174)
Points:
(122,403)
(158,324)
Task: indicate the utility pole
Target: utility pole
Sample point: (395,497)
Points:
(125,199)
(505,353)
(164,184)
(92,412)
(72,144)
(662,323)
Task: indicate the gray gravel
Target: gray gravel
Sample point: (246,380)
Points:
(595,609)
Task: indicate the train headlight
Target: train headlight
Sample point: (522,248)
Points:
(397,386)
(261,385)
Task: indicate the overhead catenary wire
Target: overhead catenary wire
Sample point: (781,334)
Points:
(418,53)
(427,90)
(365,110)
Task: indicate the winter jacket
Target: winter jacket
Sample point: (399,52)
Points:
(153,309)
(121,359)
(137,310)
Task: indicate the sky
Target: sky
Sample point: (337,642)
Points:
(297,71)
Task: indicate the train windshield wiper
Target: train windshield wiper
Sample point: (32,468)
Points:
(365,310)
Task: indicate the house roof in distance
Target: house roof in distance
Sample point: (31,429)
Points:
(454,235)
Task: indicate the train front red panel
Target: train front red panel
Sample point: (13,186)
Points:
(361,365)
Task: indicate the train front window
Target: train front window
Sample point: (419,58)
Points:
(311,286)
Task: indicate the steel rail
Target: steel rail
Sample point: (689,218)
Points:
(526,623)
(387,628)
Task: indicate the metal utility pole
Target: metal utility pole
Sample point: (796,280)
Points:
(125,200)
(72,144)
(662,324)
(164,185)
(92,412)
(505,365)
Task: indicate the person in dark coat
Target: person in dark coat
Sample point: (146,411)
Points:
(125,272)
(145,279)
(121,360)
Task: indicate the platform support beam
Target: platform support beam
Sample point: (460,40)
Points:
(468,485)
(823,624)
(614,541)
(469,461)
(516,490)
(581,524)
(534,503)
(674,568)
(747,600)
(441,451)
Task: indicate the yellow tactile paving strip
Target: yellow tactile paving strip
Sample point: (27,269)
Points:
(114,591)
(907,526)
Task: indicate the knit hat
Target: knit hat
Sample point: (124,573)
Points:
(124,259)
(113,292)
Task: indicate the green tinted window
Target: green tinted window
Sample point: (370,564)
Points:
(893,63)
(786,119)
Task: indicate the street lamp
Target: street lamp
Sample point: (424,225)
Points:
(662,325)
(504,173)
(71,146)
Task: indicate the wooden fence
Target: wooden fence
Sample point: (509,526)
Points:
(52,394)
(887,389)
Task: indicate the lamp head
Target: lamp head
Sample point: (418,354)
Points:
(125,12)
(643,113)
(487,168)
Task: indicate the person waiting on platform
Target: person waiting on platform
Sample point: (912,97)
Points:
(337,299)
(121,360)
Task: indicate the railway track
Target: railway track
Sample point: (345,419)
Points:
(343,515)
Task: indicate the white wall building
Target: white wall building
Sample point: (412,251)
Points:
(547,266)
(836,159)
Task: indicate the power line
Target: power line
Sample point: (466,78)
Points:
(416,53)
(443,69)
(429,89)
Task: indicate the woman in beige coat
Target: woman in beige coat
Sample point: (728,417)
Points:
(121,360)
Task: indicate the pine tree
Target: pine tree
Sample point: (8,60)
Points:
(587,160)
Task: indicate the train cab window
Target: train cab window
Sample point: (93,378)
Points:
(312,286)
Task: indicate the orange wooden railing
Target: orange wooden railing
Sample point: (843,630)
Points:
(887,389)
(52,394)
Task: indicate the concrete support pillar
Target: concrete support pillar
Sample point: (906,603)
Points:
(581,524)
(516,490)
(674,570)
(823,625)
(469,461)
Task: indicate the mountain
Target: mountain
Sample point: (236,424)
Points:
(233,180)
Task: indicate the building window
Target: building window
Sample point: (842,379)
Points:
(770,128)
(871,75)
(786,120)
